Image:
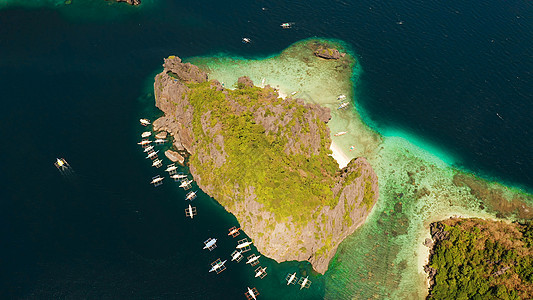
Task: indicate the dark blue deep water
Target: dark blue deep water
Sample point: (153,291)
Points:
(74,81)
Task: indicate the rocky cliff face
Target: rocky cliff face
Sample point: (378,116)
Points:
(313,237)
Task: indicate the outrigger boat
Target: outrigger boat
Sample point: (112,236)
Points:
(236,256)
(190,196)
(171,168)
(152,154)
(246,40)
(251,294)
(286,25)
(210,243)
(144,142)
(190,211)
(253,259)
(260,272)
(61,164)
(340,133)
(145,122)
(160,141)
(146,134)
(218,266)
(157,180)
(291,278)
(178,176)
(341,97)
(244,245)
(157,163)
(186,184)
(234,231)
(343,105)
(149,148)
(304,282)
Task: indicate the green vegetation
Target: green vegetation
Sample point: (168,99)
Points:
(483,260)
(289,182)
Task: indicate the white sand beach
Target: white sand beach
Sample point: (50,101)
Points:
(339,156)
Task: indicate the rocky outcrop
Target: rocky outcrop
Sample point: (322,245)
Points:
(328,53)
(175,156)
(314,238)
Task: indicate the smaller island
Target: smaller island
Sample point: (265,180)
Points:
(480,259)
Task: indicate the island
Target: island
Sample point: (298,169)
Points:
(267,160)
(474,258)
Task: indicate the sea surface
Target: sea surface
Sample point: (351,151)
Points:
(452,77)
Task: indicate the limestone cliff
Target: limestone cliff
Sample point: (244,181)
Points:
(265,159)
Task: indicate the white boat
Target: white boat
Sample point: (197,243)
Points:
(146,134)
(157,180)
(190,196)
(160,141)
(218,266)
(341,97)
(145,122)
(234,231)
(171,168)
(304,282)
(286,25)
(190,211)
(291,278)
(156,163)
(178,176)
(260,272)
(152,154)
(246,40)
(340,133)
(210,244)
(236,256)
(149,148)
(253,259)
(251,294)
(185,183)
(343,105)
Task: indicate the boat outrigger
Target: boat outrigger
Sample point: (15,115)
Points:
(218,266)
(61,164)
(157,180)
(186,184)
(304,282)
(236,256)
(157,163)
(178,176)
(190,211)
(190,196)
(260,272)
(210,243)
(343,105)
(234,231)
(251,294)
(244,245)
(291,278)
(253,259)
